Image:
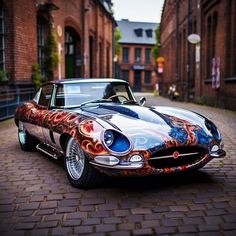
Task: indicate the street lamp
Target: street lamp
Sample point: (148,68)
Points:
(195,39)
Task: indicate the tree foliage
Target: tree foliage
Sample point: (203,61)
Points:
(155,49)
(37,78)
(118,36)
(51,55)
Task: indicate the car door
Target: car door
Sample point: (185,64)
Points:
(39,112)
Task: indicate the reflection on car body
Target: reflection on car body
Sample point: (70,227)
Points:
(98,127)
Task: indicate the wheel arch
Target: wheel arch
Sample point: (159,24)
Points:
(63,140)
(17,122)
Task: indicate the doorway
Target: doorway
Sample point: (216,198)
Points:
(73,60)
(137,80)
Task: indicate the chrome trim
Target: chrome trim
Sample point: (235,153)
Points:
(219,154)
(96,159)
(46,152)
(22,133)
(111,151)
(131,166)
(75,159)
(45,149)
(171,156)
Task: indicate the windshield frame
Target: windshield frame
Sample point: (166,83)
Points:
(130,95)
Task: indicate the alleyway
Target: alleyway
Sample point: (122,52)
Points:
(37,199)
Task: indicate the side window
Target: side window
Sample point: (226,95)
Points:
(45,95)
(37,95)
(60,97)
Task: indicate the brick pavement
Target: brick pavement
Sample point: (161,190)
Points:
(37,199)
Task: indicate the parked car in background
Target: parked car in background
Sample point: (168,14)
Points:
(98,127)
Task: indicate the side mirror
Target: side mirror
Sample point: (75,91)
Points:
(142,101)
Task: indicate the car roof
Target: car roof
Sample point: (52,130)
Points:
(87,80)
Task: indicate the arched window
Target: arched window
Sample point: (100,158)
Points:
(2,39)
(211,41)
(42,27)
(72,53)
(230,49)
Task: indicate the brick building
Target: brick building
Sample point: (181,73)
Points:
(84,37)
(135,60)
(206,71)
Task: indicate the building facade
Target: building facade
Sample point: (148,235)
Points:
(136,63)
(205,71)
(83,30)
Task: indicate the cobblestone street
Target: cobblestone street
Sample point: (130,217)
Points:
(36,197)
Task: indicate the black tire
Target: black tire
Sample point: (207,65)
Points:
(27,142)
(80,172)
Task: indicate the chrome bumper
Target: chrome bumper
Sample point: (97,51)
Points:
(128,166)
(218,154)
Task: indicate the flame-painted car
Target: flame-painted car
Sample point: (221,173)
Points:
(98,127)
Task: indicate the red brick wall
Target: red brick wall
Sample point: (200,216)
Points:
(225,96)
(87,17)
(129,66)
(25,39)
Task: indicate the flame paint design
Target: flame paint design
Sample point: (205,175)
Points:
(93,148)
(88,134)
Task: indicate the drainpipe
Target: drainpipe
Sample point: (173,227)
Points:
(177,43)
(186,94)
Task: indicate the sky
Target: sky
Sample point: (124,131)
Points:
(138,10)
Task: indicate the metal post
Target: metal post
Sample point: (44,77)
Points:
(198,84)
(186,94)
(177,43)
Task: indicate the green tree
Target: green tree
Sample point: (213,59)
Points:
(118,36)
(155,49)
(37,78)
(51,55)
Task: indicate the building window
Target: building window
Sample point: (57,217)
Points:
(41,39)
(137,55)
(230,59)
(125,75)
(91,56)
(100,60)
(211,41)
(72,53)
(2,43)
(148,77)
(139,32)
(108,61)
(149,33)
(125,55)
(148,55)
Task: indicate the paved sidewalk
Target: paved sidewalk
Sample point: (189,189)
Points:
(37,199)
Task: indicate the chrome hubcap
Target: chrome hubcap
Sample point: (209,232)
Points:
(22,133)
(74,159)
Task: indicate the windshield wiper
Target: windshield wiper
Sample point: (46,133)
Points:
(101,100)
(130,102)
(94,101)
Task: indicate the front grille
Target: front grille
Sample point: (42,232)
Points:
(187,155)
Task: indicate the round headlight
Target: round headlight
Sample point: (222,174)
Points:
(116,142)
(108,138)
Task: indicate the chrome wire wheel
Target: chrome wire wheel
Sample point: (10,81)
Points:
(75,159)
(22,133)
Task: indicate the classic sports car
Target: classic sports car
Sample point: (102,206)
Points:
(98,127)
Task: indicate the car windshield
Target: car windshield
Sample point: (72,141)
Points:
(71,95)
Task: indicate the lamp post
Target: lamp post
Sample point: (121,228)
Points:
(196,39)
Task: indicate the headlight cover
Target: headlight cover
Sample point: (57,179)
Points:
(108,137)
(213,129)
(116,142)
